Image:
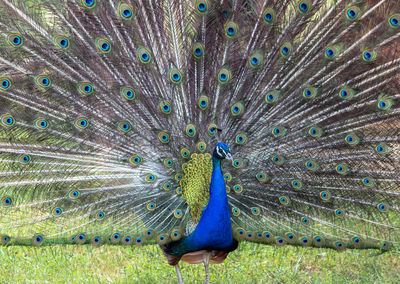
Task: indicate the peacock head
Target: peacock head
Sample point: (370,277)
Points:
(222,151)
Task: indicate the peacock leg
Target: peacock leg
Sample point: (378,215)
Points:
(206,260)
(179,274)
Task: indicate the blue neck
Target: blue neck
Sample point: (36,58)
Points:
(214,229)
(217,192)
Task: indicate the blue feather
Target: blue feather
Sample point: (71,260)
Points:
(214,231)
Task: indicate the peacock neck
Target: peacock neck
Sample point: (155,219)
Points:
(214,228)
(213,232)
(216,190)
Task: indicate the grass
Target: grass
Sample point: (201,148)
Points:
(251,263)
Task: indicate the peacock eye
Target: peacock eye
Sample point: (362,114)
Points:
(190,130)
(15,40)
(278,160)
(150,178)
(43,81)
(61,41)
(165,107)
(5,83)
(238,188)
(297,184)
(203,102)
(212,129)
(185,153)
(89,3)
(269,16)
(304,6)
(163,137)
(151,206)
(81,123)
(237,109)
(235,212)
(325,195)
(144,55)
(74,194)
(57,211)
(127,93)
(256,59)
(284,200)
(103,45)
(255,211)
(202,6)
(38,240)
(224,76)
(85,88)
(385,102)
(175,76)
(178,214)
(7,201)
(279,131)
(286,49)
(342,169)
(198,50)
(369,55)
(41,124)
(125,11)
(382,207)
(394,20)
(353,13)
(310,92)
(24,159)
(135,160)
(271,96)
(382,149)
(7,120)
(241,138)
(231,29)
(352,139)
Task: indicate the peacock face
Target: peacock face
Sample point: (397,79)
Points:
(222,151)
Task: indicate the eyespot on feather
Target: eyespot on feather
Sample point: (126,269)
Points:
(231,29)
(125,11)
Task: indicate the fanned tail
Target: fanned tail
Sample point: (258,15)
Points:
(107,108)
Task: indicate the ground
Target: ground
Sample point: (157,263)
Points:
(251,263)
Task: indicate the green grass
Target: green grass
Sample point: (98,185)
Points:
(251,263)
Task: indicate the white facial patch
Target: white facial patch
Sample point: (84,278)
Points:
(221,152)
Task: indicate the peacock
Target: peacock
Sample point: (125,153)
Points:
(198,124)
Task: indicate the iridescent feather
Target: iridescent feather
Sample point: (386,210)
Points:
(109,111)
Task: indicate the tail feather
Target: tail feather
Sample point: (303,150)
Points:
(102,106)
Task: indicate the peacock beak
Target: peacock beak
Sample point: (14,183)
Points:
(229,156)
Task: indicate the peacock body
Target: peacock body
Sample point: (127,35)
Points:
(113,115)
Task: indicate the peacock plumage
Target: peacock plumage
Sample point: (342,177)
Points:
(119,120)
